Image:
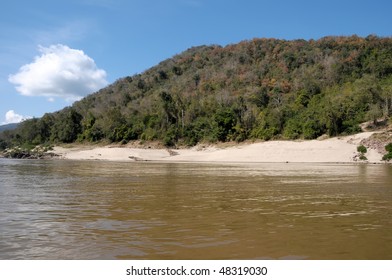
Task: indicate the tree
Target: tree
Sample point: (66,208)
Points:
(44,127)
(169,107)
(261,98)
(114,125)
(374,113)
(67,127)
(387,96)
(3,144)
(28,131)
(225,121)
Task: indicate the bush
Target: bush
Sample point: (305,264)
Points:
(362,149)
(362,157)
(3,145)
(388,156)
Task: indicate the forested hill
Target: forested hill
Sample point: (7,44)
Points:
(257,89)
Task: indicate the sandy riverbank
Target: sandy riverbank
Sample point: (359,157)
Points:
(332,150)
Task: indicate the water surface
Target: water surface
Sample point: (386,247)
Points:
(105,210)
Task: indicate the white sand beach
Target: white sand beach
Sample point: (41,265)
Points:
(331,150)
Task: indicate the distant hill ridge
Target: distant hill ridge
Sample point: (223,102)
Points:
(9,126)
(256,89)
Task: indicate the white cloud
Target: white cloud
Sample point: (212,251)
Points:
(59,72)
(12,117)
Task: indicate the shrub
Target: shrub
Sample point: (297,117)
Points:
(388,156)
(362,157)
(3,145)
(362,149)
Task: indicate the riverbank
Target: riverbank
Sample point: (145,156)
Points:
(331,150)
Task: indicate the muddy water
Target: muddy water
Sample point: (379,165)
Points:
(106,210)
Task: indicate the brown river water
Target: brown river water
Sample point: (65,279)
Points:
(59,209)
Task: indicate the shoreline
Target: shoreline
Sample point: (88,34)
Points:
(335,150)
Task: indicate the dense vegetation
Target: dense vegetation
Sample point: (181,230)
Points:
(258,89)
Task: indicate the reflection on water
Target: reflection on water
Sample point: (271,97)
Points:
(104,210)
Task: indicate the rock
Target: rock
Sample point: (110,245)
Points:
(378,141)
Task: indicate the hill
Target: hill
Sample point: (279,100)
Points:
(256,89)
(9,126)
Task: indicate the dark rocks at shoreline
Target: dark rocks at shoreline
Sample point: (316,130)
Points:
(25,154)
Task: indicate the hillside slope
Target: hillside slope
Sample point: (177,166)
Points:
(262,88)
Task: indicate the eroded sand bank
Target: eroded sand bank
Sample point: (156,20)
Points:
(332,150)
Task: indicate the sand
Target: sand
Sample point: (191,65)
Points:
(332,150)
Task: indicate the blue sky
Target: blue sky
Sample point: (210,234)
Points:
(55,52)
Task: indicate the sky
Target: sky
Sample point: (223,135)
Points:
(53,53)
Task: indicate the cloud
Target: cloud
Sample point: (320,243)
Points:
(12,117)
(59,72)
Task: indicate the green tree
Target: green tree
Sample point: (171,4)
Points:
(114,125)
(67,126)
(225,120)
(169,107)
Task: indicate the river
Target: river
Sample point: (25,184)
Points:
(62,209)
